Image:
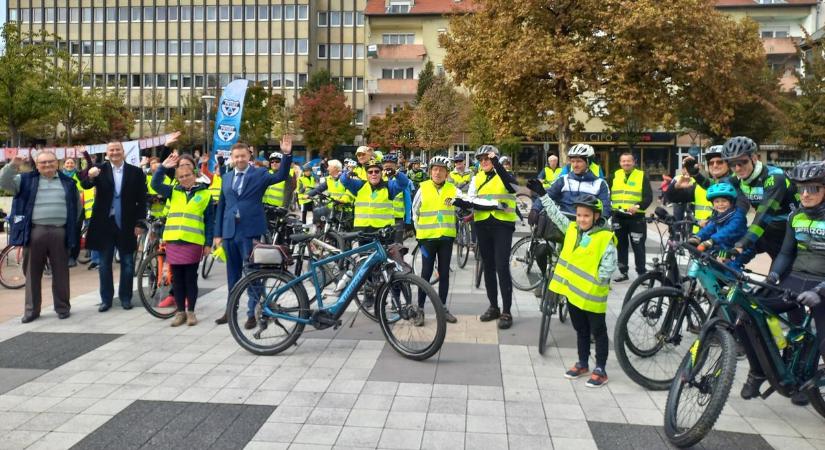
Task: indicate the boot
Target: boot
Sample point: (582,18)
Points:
(800,399)
(751,388)
(191,320)
(180,319)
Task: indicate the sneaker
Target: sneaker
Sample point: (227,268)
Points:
(597,379)
(505,321)
(180,319)
(450,317)
(492,313)
(167,302)
(92,266)
(191,320)
(577,371)
(751,388)
(621,277)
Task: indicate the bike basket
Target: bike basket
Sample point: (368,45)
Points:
(270,255)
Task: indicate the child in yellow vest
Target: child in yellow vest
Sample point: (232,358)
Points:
(582,274)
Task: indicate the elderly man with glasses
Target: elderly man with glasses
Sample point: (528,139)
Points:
(44,218)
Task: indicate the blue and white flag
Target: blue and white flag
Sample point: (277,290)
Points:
(228,119)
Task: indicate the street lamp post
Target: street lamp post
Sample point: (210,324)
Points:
(207,100)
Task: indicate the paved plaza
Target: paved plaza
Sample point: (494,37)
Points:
(125,379)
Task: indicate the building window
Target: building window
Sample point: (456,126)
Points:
(99,14)
(335,18)
(275,47)
(289,46)
(775,32)
(135,81)
(359,84)
(302,80)
(197,13)
(160,47)
(50,15)
(249,13)
(322,51)
(289,80)
(111,48)
(61,15)
(13,15)
(173,80)
(197,45)
(224,79)
(398,38)
(289,12)
(303,12)
(303,46)
(211,80)
(185,13)
(323,19)
(134,49)
(223,13)
(186,81)
(148,47)
(100,47)
(174,47)
(237,47)
(335,51)
(86,15)
(346,83)
(349,18)
(439,69)
(360,50)
(359,19)
(397,74)
(223,46)
(148,13)
(398,7)
(160,14)
(347,52)
(185,47)
(160,80)
(135,14)
(276,12)
(211,47)
(263,13)
(199,81)
(359,116)
(211,13)
(237,13)
(249,46)
(263,46)
(276,80)
(74,15)
(172,13)
(123,47)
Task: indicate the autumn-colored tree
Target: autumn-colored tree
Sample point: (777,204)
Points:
(325,118)
(425,80)
(806,112)
(188,121)
(319,79)
(258,114)
(25,68)
(441,112)
(394,131)
(533,63)
(283,117)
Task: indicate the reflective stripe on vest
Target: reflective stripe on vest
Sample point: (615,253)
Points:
(338,191)
(88,202)
(627,189)
(373,208)
(184,222)
(494,190)
(435,219)
(576,274)
(304,184)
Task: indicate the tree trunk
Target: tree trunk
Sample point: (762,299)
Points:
(563,137)
(14,135)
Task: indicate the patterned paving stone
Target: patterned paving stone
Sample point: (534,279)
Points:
(12,378)
(631,437)
(53,349)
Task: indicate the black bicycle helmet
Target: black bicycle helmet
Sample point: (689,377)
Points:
(808,172)
(589,201)
(738,147)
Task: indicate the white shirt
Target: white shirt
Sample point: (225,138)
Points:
(241,181)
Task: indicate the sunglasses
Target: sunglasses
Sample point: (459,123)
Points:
(716,162)
(810,188)
(374,171)
(740,162)
(483,158)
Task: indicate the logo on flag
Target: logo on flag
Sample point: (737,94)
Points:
(230,107)
(226,132)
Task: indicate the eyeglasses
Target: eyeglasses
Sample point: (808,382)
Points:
(47,162)
(810,188)
(716,162)
(740,162)
(374,171)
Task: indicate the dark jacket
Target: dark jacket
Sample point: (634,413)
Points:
(133,207)
(23,206)
(725,229)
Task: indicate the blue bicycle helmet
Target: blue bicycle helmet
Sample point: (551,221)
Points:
(390,157)
(721,190)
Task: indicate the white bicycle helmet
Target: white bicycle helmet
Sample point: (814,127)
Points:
(350,163)
(276,155)
(581,151)
(485,149)
(713,150)
(442,161)
(505,160)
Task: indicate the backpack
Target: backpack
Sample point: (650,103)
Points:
(543,227)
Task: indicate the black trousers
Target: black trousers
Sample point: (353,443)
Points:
(632,233)
(588,323)
(494,241)
(430,250)
(305,208)
(185,285)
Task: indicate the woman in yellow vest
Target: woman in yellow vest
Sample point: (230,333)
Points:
(434,218)
(492,196)
(305,183)
(187,233)
(274,195)
(582,274)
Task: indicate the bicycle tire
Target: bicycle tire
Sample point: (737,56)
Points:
(368,289)
(524,270)
(417,263)
(479,269)
(462,250)
(12,275)
(663,357)
(140,251)
(392,316)
(816,395)
(206,267)
(720,383)
(246,288)
(153,287)
(84,256)
(546,314)
(564,310)
(648,281)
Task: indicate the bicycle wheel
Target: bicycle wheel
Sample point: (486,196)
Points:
(816,395)
(645,281)
(652,334)
(564,310)
(418,263)
(271,335)
(548,306)
(462,241)
(154,283)
(524,269)
(84,256)
(479,270)
(700,388)
(140,253)
(12,275)
(401,314)
(206,267)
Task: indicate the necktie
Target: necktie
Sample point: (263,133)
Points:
(236,185)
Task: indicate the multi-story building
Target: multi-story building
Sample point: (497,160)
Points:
(402,35)
(160,53)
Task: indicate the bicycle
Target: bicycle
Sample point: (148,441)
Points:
(551,302)
(12,275)
(791,362)
(278,298)
(464,237)
(154,279)
(206,265)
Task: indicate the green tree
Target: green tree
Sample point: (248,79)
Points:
(325,118)
(188,122)
(74,109)
(439,114)
(25,68)
(425,80)
(319,79)
(116,120)
(806,111)
(480,128)
(258,115)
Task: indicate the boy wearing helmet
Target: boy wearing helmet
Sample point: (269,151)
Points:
(726,225)
(416,174)
(305,183)
(580,180)
(582,274)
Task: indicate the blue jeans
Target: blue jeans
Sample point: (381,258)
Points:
(127,274)
(95,257)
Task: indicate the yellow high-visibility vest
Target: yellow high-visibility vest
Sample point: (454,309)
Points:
(702,207)
(461,178)
(158,209)
(184,221)
(550,176)
(304,185)
(494,190)
(373,208)
(627,189)
(435,219)
(338,191)
(215,187)
(577,272)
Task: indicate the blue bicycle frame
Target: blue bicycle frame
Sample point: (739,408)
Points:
(377,256)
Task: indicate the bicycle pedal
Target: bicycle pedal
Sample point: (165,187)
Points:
(813,382)
(770,390)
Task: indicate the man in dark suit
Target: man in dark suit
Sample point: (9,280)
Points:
(120,202)
(240,215)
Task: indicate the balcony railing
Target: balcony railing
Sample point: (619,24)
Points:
(397,52)
(392,87)
(780,46)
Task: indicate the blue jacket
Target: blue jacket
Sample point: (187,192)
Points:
(568,188)
(23,206)
(242,216)
(395,186)
(725,229)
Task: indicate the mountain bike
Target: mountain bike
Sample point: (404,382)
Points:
(464,237)
(791,360)
(280,306)
(154,278)
(551,302)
